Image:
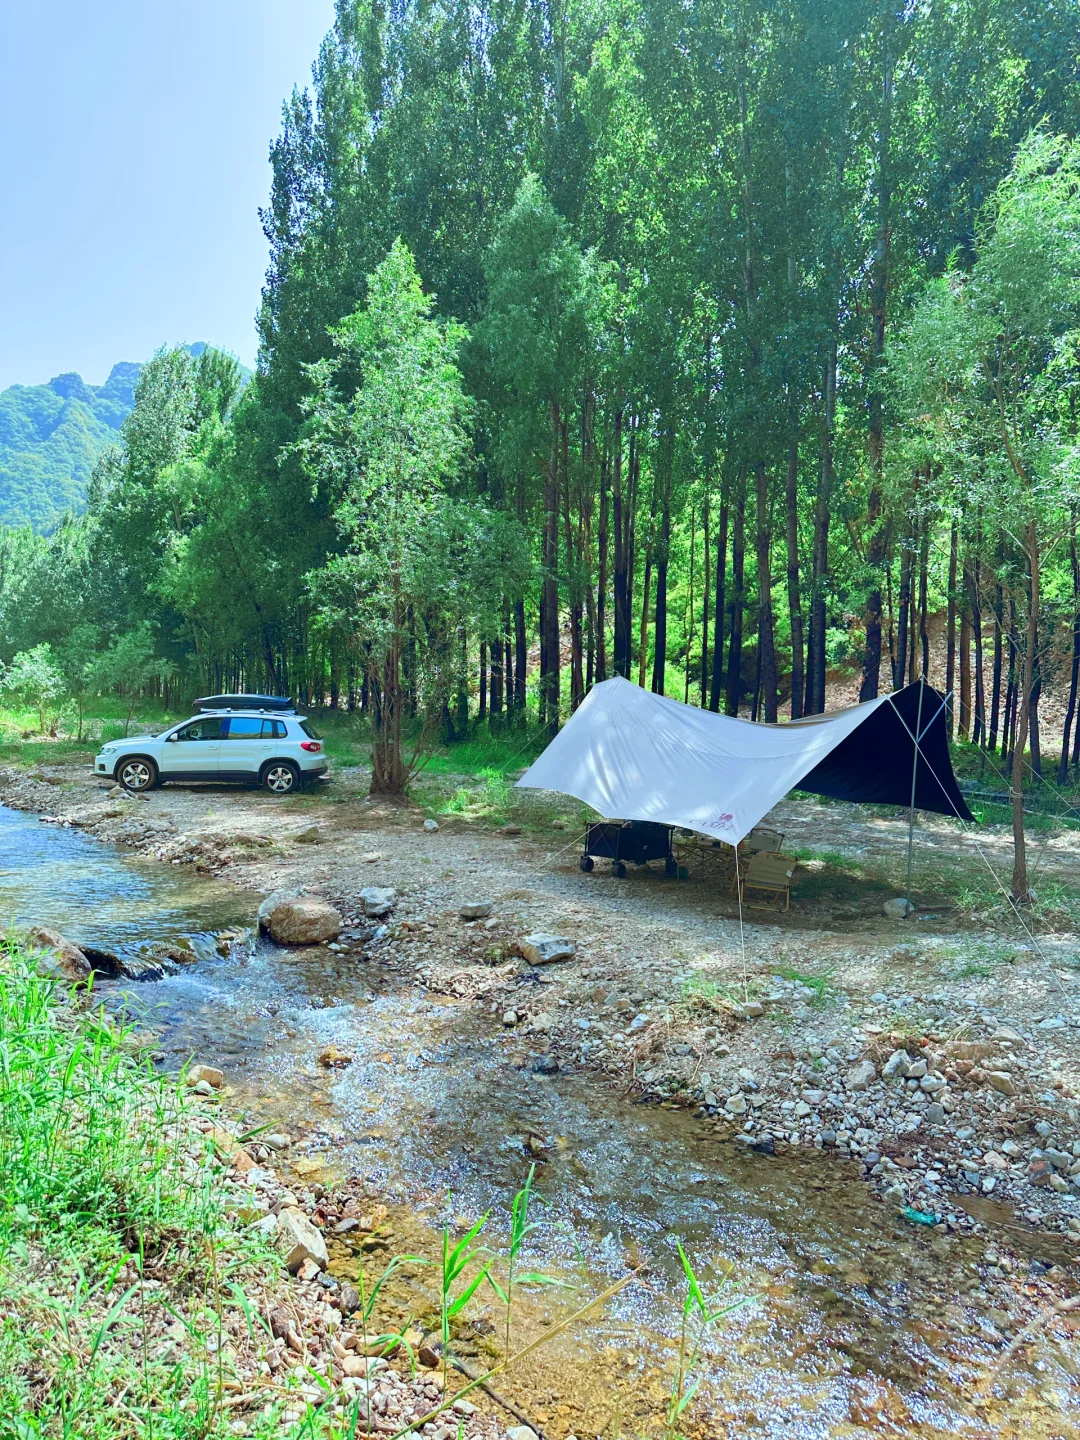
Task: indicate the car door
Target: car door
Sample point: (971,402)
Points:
(245,744)
(193,750)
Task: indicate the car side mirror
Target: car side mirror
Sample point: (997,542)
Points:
(170,738)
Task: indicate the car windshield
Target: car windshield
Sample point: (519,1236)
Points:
(309,730)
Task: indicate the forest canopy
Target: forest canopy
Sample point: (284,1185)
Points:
(730,348)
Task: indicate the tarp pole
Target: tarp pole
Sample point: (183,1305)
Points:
(911,809)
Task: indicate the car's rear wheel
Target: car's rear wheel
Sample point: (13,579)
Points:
(137,773)
(280,777)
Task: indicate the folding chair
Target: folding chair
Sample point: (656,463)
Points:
(770,874)
(759,839)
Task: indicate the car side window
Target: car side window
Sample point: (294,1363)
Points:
(209,728)
(244,727)
(274,730)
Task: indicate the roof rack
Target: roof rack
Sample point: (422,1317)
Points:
(281,704)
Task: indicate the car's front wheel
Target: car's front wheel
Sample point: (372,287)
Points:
(137,774)
(280,777)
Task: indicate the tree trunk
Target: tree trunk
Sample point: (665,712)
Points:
(979,727)
(791,496)
(1009,728)
(879,276)
(481,712)
(643,643)
(706,576)
(734,687)
(719,610)
(924,637)
(1020,893)
(815,659)
(521,661)
(602,574)
(965,655)
(496,703)
(549,597)
(995,691)
(573,578)
(766,637)
(1074,675)
(950,622)
(689,613)
(662,552)
(903,613)
(1033,714)
(621,636)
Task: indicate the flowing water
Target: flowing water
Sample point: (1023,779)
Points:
(860,1322)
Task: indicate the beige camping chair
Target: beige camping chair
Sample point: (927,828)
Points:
(768,874)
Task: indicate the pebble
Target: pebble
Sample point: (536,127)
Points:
(431,826)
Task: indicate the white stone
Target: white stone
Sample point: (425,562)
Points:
(542,949)
(300,1240)
(378,900)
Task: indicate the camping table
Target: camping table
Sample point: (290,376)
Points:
(699,855)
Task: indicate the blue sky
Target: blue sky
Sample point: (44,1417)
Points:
(134,137)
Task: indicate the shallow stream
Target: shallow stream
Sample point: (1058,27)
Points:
(862,1323)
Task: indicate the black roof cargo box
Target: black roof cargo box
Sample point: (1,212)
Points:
(279,703)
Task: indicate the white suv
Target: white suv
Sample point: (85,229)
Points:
(253,739)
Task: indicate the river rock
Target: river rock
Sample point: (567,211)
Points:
(274,899)
(299,1240)
(897,908)
(476,910)
(210,1073)
(861,1076)
(378,900)
(542,949)
(431,826)
(1001,1081)
(935,1113)
(896,1067)
(304,921)
(63,957)
(313,835)
(735,1104)
(521,1432)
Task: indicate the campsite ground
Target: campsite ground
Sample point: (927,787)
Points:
(768,1032)
(665,971)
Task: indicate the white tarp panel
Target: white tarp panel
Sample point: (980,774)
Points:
(633,755)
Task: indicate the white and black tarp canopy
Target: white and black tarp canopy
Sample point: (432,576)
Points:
(633,755)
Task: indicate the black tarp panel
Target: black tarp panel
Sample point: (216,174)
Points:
(873,765)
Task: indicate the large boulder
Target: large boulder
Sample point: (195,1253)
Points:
(304,921)
(63,958)
(898,908)
(273,900)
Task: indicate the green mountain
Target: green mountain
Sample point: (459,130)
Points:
(50,439)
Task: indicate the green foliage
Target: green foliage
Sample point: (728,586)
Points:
(100,1180)
(129,666)
(34,678)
